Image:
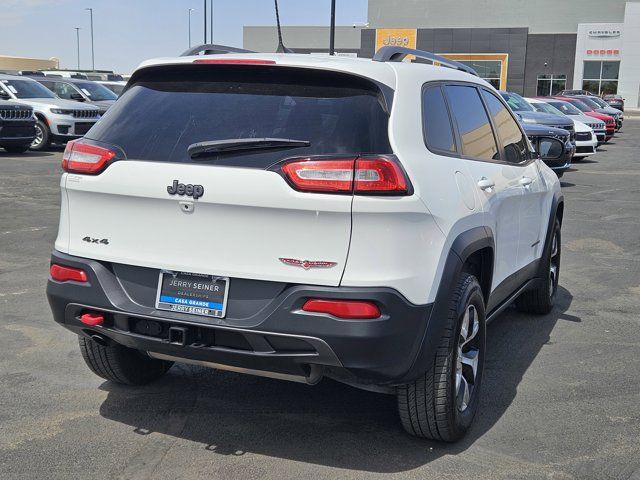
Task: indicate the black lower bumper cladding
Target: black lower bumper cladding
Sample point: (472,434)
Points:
(265,329)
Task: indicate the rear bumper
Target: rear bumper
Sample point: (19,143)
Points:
(265,329)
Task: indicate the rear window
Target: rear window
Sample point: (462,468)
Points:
(165,111)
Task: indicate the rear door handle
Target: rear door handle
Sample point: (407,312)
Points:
(486,184)
(526,181)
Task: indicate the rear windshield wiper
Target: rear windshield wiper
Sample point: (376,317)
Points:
(242,145)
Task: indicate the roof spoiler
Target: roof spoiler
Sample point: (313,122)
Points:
(397,54)
(213,49)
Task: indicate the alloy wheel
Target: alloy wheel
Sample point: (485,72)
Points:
(39,137)
(554,265)
(467,358)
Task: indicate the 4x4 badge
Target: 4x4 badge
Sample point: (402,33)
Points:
(195,191)
(307,264)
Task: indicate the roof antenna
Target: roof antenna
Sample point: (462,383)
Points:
(281,48)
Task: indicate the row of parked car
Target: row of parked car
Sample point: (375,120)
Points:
(37,110)
(578,121)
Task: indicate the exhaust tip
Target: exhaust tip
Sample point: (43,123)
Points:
(99,339)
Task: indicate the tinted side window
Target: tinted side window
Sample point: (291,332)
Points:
(436,124)
(473,123)
(513,141)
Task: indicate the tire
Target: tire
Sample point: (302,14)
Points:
(432,407)
(43,136)
(17,148)
(120,364)
(541,299)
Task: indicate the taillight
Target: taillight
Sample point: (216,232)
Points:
(330,175)
(61,273)
(379,175)
(363,175)
(348,309)
(80,157)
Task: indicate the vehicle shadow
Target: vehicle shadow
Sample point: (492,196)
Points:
(330,424)
(27,154)
(567,184)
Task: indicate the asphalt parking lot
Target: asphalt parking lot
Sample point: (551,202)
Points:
(561,393)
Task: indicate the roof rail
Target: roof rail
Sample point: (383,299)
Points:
(212,49)
(396,54)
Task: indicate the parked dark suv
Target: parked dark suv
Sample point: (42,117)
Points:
(17,127)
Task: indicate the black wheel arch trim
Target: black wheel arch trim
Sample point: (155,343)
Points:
(556,211)
(462,248)
(466,244)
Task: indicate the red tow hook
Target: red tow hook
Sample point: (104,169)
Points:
(92,319)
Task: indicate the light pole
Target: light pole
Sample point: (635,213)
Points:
(190,10)
(93,63)
(78,44)
(205,21)
(332,29)
(211,21)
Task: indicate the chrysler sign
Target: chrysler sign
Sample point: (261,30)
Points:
(604,33)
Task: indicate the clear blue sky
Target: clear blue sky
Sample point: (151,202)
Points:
(129,31)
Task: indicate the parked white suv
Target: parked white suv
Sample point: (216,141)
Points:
(297,216)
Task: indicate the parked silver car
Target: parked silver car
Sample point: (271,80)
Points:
(85,91)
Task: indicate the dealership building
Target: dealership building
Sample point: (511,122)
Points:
(529,47)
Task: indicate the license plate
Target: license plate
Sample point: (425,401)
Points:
(193,293)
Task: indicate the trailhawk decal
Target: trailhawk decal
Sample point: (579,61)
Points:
(307,264)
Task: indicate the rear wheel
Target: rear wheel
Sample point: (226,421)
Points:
(43,136)
(441,404)
(120,364)
(542,298)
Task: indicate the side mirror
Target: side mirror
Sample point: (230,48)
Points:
(4,95)
(550,149)
(77,97)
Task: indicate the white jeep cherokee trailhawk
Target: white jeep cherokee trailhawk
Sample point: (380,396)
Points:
(298,217)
